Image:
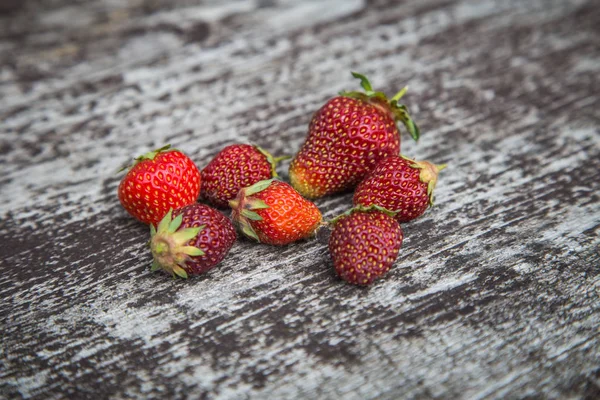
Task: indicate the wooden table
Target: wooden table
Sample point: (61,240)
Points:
(495,293)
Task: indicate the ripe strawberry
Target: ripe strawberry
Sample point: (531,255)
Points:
(364,244)
(401,185)
(272,212)
(346,138)
(158,181)
(191,240)
(236,167)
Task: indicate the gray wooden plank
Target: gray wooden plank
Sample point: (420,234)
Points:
(494,294)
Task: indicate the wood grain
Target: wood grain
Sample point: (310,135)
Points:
(496,290)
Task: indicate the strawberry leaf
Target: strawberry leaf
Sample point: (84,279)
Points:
(163,226)
(364,82)
(180,272)
(155,266)
(256,204)
(258,187)
(361,208)
(251,215)
(192,251)
(187,234)
(248,231)
(147,156)
(151,154)
(175,223)
(401,114)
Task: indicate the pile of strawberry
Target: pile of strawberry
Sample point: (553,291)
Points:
(353,142)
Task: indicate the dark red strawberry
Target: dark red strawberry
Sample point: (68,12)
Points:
(364,244)
(346,138)
(191,240)
(158,181)
(401,185)
(272,212)
(236,167)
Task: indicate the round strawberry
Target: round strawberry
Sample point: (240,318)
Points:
(364,244)
(158,181)
(191,240)
(346,138)
(272,212)
(236,167)
(401,185)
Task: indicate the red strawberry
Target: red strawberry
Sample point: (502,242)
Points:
(364,244)
(272,212)
(158,181)
(346,138)
(191,240)
(236,167)
(400,184)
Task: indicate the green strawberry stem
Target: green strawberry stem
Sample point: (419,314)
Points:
(399,111)
(361,208)
(151,154)
(272,160)
(147,156)
(170,246)
(364,81)
(399,95)
(282,158)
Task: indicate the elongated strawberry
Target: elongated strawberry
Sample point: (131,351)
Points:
(364,244)
(346,138)
(158,181)
(233,168)
(272,212)
(191,240)
(400,184)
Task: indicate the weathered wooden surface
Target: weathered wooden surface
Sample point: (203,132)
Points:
(495,293)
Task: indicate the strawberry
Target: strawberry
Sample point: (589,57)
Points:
(158,181)
(400,184)
(272,212)
(236,167)
(191,240)
(346,138)
(364,244)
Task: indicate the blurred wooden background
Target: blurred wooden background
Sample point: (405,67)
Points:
(495,293)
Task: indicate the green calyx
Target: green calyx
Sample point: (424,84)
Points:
(272,160)
(361,208)
(148,156)
(170,245)
(379,99)
(428,174)
(244,206)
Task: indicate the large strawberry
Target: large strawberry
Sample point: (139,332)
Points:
(272,212)
(158,181)
(346,138)
(400,184)
(364,244)
(236,167)
(191,240)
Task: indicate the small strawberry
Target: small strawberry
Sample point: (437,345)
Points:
(191,240)
(364,244)
(272,212)
(158,181)
(236,167)
(346,138)
(401,185)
